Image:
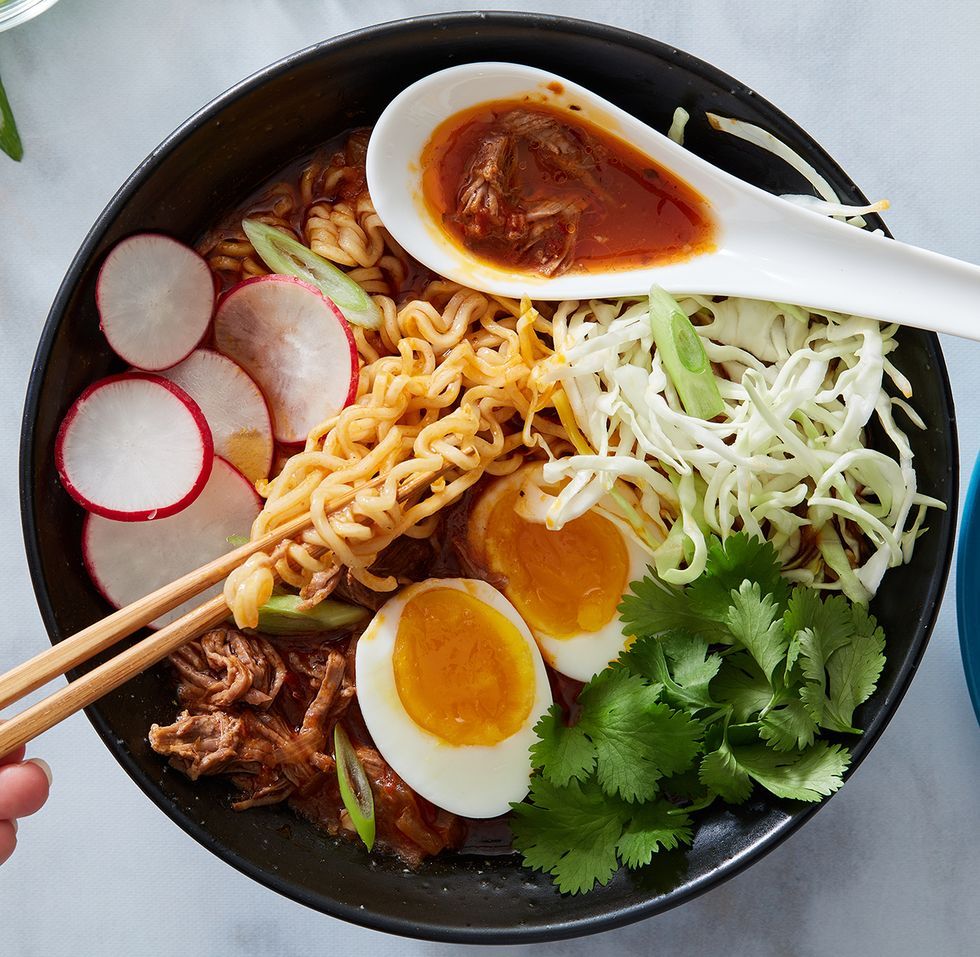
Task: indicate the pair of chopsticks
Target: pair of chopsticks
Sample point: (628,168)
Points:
(83,645)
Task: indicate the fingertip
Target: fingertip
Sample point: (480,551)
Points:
(8,839)
(23,790)
(43,765)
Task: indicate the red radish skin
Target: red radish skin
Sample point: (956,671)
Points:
(297,346)
(79,490)
(127,560)
(155,298)
(234,406)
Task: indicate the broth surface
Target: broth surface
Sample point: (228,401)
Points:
(537,188)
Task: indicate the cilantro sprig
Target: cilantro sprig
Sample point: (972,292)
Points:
(727,687)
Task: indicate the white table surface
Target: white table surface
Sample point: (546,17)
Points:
(892,90)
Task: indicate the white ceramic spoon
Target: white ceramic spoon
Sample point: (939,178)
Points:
(766,247)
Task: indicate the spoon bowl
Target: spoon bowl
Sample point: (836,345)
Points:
(765,247)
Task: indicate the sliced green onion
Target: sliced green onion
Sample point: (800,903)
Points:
(355,788)
(237,540)
(284,255)
(281,615)
(9,137)
(683,356)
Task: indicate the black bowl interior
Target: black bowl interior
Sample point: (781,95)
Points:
(211,164)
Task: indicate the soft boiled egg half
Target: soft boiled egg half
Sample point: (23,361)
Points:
(566,583)
(451,683)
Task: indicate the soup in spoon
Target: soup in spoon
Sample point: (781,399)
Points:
(533,187)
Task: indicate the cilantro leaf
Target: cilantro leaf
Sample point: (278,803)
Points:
(741,684)
(574,833)
(806,611)
(739,558)
(842,658)
(651,828)
(788,726)
(652,608)
(854,669)
(562,752)
(569,832)
(802,776)
(681,663)
(637,739)
(753,623)
(721,773)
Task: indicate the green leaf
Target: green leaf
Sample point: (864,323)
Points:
(842,657)
(806,611)
(569,832)
(561,752)
(742,685)
(653,608)
(721,773)
(637,739)
(739,558)
(574,833)
(853,670)
(679,661)
(651,828)
(753,623)
(789,726)
(9,137)
(803,776)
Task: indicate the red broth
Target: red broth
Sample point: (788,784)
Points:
(538,188)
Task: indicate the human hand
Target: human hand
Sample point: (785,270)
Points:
(23,790)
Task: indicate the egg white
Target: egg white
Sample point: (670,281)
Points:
(472,780)
(582,655)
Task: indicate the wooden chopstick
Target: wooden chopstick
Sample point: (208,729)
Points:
(107,677)
(84,644)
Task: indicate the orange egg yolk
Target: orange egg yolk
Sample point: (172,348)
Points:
(463,671)
(563,582)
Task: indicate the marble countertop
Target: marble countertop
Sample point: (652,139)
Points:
(889,87)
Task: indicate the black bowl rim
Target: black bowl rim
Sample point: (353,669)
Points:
(558,930)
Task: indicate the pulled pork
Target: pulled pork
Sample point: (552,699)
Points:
(263,711)
(490,209)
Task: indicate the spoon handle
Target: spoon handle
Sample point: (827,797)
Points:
(824,263)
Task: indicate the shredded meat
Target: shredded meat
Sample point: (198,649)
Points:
(405,559)
(320,586)
(269,738)
(200,744)
(263,711)
(489,207)
(224,667)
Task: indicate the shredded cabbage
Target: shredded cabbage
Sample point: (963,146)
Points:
(829,203)
(786,460)
(678,125)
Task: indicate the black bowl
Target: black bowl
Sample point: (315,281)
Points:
(209,165)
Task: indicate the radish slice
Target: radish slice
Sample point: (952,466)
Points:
(296,344)
(134,447)
(233,406)
(128,560)
(155,298)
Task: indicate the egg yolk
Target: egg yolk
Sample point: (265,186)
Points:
(463,671)
(565,581)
